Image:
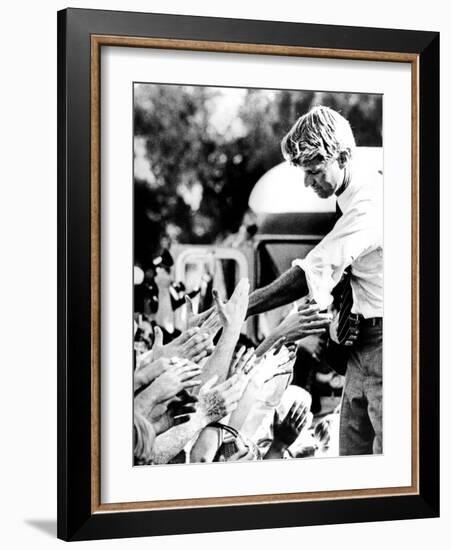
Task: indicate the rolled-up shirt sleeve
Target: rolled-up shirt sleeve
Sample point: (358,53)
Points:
(355,232)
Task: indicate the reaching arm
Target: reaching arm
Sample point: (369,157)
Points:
(165,314)
(359,229)
(232,317)
(219,361)
(144,437)
(206,446)
(170,443)
(287,288)
(214,403)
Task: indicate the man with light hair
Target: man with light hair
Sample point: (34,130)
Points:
(321,142)
(320,136)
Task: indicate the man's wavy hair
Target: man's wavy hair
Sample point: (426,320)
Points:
(318,136)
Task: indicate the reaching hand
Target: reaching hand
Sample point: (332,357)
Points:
(182,375)
(289,429)
(233,313)
(278,361)
(165,417)
(243,362)
(215,402)
(195,319)
(191,344)
(179,376)
(285,359)
(148,371)
(305,322)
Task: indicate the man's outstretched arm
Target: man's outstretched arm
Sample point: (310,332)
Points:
(287,288)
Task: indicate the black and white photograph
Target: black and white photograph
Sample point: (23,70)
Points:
(248,287)
(222,250)
(258,274)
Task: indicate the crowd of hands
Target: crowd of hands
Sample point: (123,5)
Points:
(187,389)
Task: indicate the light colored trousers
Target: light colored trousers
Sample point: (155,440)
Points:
(361,406)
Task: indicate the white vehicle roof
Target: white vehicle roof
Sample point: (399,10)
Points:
(282,188)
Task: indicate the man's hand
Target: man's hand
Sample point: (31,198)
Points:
(305,322)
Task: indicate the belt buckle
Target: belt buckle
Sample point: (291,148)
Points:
(371,321)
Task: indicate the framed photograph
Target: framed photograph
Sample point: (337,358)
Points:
(248,274)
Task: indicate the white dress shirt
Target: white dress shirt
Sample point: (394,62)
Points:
(356,240)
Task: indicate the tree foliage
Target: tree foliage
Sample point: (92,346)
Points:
(200,150)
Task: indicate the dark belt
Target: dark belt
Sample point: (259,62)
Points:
(370,322)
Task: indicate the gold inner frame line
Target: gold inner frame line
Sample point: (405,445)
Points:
(97,41)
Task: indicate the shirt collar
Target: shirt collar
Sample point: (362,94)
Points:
(344,193)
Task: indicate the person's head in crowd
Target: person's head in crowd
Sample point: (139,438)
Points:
(322,143)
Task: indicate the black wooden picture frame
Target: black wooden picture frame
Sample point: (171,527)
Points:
(79,515)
